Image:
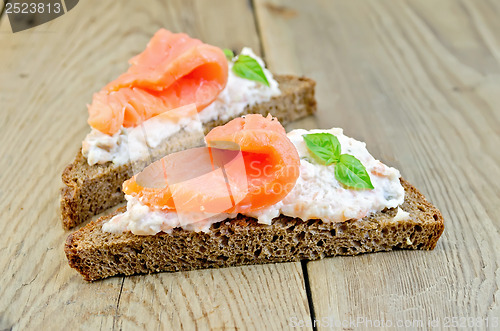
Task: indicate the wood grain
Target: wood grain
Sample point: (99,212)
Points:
(420,82)
(233,298)
(47,75)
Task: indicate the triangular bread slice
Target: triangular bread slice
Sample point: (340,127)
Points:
(89,190)
(96,254)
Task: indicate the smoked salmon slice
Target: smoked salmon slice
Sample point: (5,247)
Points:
(269,159)
(174,70)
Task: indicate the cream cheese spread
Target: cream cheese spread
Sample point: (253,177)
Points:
(316,195)
(401,215)
(143,220)
(123,146)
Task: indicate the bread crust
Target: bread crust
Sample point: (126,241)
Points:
(96,254)
(89,190)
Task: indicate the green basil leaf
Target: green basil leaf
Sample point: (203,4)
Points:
(325,146)
(229,53)
(352,173)
(247,67)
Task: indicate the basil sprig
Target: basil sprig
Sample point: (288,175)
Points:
(324,145)
(247,67)
(229,53)
(352,173)
(348,169)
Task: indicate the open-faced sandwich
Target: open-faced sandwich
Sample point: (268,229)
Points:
(256,194)
(127,126)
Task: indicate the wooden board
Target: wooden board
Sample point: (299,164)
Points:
(47,75)
(420,82)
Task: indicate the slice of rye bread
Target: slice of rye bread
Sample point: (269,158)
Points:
(240,241)
(89,190)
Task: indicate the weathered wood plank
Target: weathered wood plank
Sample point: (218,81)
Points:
(254,297)
(47,75)
(420,82)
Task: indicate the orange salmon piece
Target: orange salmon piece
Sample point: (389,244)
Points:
(271,160)
(174,70)
(271,164)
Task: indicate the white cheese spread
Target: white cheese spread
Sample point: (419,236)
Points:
(401,215)
(316,195)
(142,220)
(121,148)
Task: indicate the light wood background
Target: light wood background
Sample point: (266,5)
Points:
(418,80)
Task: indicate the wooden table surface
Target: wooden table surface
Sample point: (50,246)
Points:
(418,80)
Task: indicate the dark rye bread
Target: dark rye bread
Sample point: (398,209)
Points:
(89,190)
(96,254)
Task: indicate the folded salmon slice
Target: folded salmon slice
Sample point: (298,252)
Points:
(174,70)
(269,158)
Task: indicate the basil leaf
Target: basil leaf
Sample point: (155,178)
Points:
(323,145)
(229,53)
(352,173)
(247,67)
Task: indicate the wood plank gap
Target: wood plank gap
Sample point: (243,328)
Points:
(116,316)
(307,285)
(3,9)
(251,3)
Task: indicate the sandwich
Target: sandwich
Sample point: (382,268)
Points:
(256,194)
(128,126)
